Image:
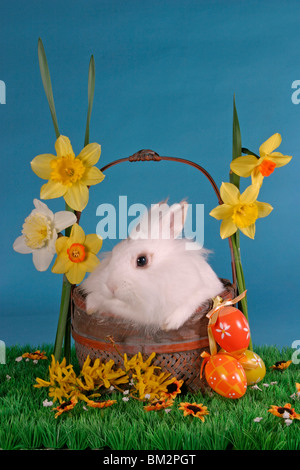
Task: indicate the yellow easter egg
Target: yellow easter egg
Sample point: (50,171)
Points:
(254,367)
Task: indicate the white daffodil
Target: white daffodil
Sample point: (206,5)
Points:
(39,233)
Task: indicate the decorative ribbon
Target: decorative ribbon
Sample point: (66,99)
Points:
(213,316)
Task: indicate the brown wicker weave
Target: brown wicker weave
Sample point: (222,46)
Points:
(177,351)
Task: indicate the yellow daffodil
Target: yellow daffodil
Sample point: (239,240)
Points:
(76,255)
(239,211)
(68,176)
(258,168)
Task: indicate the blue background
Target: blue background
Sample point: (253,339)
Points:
(166,73)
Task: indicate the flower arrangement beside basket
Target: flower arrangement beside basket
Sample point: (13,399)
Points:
(179,352)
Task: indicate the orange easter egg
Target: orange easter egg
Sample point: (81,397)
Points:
(226,376)
(253,366)
(231,330)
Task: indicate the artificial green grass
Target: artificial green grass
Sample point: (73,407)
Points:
(26,424)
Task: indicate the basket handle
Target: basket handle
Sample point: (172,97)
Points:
(149,155)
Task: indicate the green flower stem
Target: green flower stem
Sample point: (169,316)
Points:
(241,286)
(63,317)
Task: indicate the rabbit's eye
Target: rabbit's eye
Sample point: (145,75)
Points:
(142,261)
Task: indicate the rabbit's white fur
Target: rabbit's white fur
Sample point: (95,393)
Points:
(165,292)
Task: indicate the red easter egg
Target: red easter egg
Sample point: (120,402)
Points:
(226,376)
(231,330)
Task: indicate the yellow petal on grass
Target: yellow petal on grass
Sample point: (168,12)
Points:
(52,189)
(90,154)
(243,166)
(270,144)
(40,165)
(92,176)
(229,194)
(93,242)
(227,228)
(63,146)
(77,196)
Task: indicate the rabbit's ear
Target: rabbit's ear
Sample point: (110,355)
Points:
(177,218)
(148,221)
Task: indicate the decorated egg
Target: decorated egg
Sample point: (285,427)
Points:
(225,375)
(231,330)
(253,366)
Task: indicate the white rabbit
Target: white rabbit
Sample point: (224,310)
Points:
(153,281)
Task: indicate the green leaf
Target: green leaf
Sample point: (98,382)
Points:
(91,90)
(236,144)
(45,74)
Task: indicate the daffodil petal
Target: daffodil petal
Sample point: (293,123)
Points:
(270,144)
(42,258)
(229,194)
(64,219)
(77,196)
(279,159)
(61,244)
(63,146)
(227,228)
(93,242)
(40,165)
(222,211)
(250,194)
(92,176)
(90,154)
(91,262)
(52,189)
(76,273)
(20,246)
(243,166)
(42,208)
(62,264)
(256,177)
(77,234)
(264,209)
(249,231)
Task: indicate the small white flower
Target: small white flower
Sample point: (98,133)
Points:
(257,420)
(19,359)
(84,408)
(147,396)
(288,422)
(111,388)
(223,330)
(285,415)
(126,392)
(8,377)
(256,387)
(47,403)
(125,398)
(35,361)
(273,383)
(39,233)
(167,410)
(266,385)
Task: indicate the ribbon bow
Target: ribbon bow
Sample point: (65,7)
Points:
(213,314)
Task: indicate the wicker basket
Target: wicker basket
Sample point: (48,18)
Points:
(177,351)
